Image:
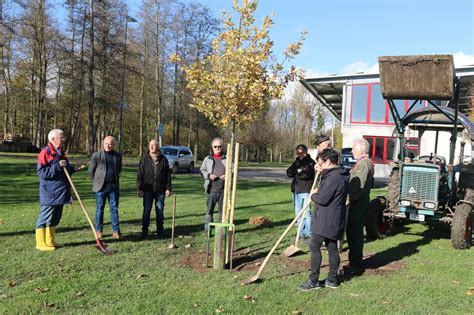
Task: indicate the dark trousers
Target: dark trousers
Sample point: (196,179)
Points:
(355,234)
(315,249)
(148,198)
(213,198)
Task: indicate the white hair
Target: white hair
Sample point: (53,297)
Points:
(217,139)
(53,133)
(362,145)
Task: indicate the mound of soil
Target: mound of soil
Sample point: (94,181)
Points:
(260,221)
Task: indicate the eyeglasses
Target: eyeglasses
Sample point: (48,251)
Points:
(217,147)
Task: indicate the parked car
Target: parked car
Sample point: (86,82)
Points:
(347,158)
(179,158)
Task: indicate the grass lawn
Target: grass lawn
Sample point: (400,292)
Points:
(413,271)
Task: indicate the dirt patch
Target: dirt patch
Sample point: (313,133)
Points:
(260,221)
(251,260)
(376,265)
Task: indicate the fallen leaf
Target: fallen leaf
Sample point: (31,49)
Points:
(80,294)
(1,221)
(187,245)
(249,298)
(195,305)
(48,304)
(354,295)
(297,312)
(3,296)
(41,290)
(142,275)
(12,284)
(257,264)
(470,291)
(455,282)
(220,309)
(385,302)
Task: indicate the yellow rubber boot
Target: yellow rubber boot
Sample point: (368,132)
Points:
(50,234)
(40,240)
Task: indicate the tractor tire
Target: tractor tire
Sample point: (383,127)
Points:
(376,225)
(461,228)
(191,167)
(394,190)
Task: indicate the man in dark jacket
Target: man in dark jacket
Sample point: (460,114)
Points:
(327,225)
(54,190)
(302,173)
(104,168)
(153,184)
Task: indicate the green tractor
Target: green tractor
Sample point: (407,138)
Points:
(435,181)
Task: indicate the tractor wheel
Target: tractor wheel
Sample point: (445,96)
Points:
(394,190)
(461,228)
(376,225)
(191,167)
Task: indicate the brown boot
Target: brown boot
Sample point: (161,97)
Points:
(117,236)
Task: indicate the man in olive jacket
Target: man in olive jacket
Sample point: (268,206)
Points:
(360,184)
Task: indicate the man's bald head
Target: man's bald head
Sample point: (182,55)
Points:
(109,143)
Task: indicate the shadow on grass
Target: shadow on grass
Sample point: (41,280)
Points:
(435,230)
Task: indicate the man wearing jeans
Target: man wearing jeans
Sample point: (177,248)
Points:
(153,184)
(302,173)
(104,168)
(213,171)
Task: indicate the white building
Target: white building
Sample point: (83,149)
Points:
(356,101)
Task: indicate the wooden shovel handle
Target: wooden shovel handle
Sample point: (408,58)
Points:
(80,202)
(316,179)
(279,240)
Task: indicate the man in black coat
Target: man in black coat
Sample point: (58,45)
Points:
(153,185)
(302,173)
(327,225)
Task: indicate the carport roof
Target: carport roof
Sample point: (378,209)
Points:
(328,89)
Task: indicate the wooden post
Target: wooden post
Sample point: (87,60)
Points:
(230,247)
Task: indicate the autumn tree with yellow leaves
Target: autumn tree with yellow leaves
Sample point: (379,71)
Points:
(232,84)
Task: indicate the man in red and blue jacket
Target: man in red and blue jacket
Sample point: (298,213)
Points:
(54,190)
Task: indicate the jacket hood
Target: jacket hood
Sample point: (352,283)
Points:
(335,171)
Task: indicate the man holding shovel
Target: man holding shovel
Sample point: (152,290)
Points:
(54,190)
(302,173)
(327,225)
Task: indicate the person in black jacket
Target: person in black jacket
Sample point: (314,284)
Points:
(328,222)
(153,184)
(302,172)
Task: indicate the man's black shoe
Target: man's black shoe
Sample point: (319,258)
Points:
(330,284)
(349,271)
(309,285)
(143,235)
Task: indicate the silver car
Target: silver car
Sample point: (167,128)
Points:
(179,158)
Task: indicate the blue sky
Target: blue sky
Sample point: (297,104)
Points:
(348,36)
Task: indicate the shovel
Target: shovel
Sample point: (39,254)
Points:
(259,272)
(293,248)
(100,245)
(172,245)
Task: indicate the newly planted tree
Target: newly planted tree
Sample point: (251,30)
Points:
(232,84)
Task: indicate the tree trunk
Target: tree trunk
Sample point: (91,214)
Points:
(91,94)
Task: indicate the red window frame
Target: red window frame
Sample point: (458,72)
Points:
(369,107)
(384,159)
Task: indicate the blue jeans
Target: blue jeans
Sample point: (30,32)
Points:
(213,198)
(49,216)
(299,200)
(113,196)
(148,198)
